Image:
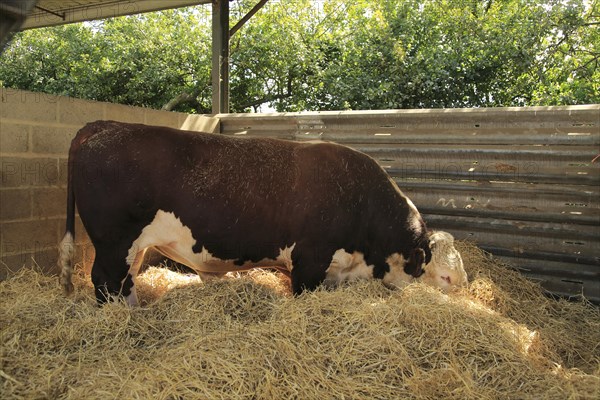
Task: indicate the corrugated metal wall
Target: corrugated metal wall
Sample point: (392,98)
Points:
(518,181)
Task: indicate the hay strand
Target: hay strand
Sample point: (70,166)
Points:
(246,337)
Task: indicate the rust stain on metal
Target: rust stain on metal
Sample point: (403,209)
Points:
(505,168)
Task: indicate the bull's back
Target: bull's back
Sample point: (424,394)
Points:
(127,172)
(226,188)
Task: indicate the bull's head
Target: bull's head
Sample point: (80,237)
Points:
(445,270)
(436,262)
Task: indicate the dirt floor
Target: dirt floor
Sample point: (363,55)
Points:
(246,337)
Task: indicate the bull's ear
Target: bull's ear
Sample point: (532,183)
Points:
(414,265)
(432,239)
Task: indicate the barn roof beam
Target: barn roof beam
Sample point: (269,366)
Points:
(62,16)
(52,12)
(12,15)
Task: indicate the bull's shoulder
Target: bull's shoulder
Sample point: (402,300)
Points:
(342,157)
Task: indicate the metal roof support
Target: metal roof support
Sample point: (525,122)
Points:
(246,17)
(53,12)
(220,51)
(12,15)
(220,56)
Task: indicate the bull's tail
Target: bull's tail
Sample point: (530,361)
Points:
(66,249)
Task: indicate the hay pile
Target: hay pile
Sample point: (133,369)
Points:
(247,338)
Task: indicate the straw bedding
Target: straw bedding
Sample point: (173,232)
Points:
(246,337)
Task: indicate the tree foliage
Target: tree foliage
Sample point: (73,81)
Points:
(337,54)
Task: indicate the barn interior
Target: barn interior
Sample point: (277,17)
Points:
(517,186)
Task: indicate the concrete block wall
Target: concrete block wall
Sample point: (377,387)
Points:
(35,134)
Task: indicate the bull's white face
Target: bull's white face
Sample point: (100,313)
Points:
(445,270)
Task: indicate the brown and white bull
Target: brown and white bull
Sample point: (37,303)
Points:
(318,211)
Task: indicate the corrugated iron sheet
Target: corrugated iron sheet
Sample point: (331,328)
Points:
(518,181)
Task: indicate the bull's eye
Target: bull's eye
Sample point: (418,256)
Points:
(447,279)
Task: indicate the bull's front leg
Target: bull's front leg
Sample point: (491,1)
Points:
(309,266)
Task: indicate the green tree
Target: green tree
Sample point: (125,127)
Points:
(448,53)
(339,54)
(142,60)
(568,68)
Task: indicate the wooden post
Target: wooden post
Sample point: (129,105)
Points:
(220,56)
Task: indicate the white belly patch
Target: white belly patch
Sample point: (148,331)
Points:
(396,277)
(347,267)
(167,234)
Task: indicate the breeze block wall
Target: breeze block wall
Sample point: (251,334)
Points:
(35,134)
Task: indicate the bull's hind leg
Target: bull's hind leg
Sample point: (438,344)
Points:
(110,273)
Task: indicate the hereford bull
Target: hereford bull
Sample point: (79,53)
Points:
(318,211)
